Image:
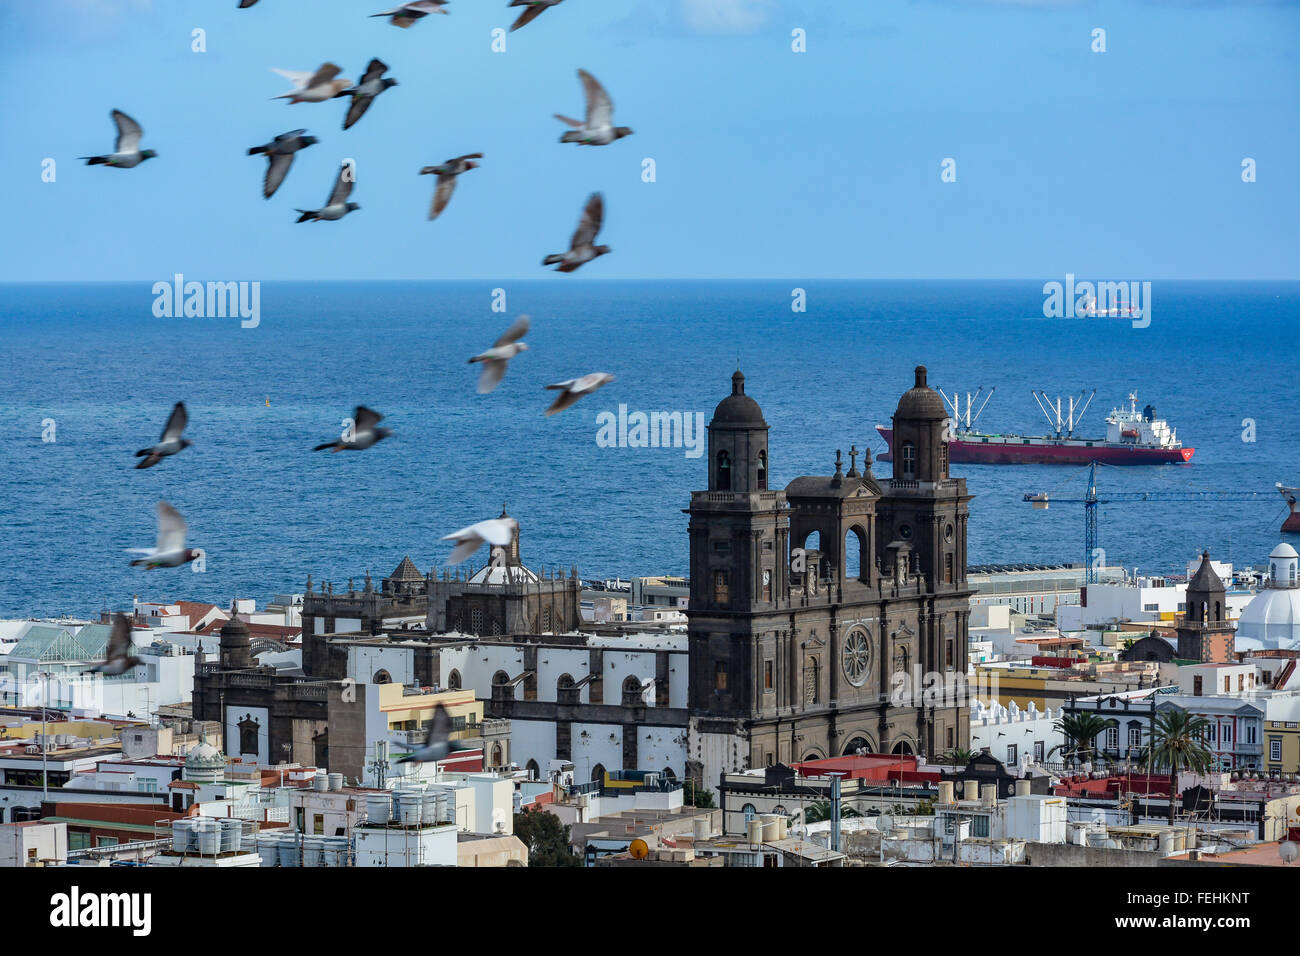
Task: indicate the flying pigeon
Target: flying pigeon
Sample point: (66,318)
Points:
(126,152)
(364,432)
(246,3)
(599,128)
(535,9)
(363,94)
(337,207)
(171,441)
(280,152)
(580,246)
(313,87)
(120,659)
(447,173)
(499,355)
(498,532)
(408,13)
(170,551)
(438,744)
(575,388)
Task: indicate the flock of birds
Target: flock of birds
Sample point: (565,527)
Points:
(596,129)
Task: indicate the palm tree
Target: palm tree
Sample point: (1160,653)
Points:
(957,757)
(1177,744)
(1080,731)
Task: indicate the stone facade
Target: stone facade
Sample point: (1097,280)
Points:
(800,650)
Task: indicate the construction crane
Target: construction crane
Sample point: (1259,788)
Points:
(1091,500)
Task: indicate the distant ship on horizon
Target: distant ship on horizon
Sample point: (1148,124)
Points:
(1132,437)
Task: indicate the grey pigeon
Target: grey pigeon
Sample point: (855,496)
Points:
(363,94)
(126,152)
(119,657)
(575,388)
(498,532)
(407,13)
(364,432)
(280,153)
(337,207)
(170,551)
(246,3)
(599,128)
(581,248)
(499,355)
(535,9)
(447,173)
(171,441)
(438,744)
(313,87)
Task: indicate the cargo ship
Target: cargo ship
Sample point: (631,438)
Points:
(1132,437)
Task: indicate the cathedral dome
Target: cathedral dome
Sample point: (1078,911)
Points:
(1272,618)
(204,757)
(738,408)
(921,401)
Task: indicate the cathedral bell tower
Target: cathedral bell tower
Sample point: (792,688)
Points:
(738,533)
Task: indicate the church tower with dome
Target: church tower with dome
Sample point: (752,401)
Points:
(818,612)
(1271,621)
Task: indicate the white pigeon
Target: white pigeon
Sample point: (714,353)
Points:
(126,152)
(497,358)
(407,13)
(119,658)
(171,441)
(438,744)
(599,128)
(170,551)
(313,87)
(581,247)
(575,388)
(498,532)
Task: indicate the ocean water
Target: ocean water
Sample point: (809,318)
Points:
(268,512)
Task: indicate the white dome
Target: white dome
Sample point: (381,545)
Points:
(1284,550)
(204,756)
(1273,618)
(517,574)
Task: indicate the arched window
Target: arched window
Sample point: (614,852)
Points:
(724,471)
(499,681)
(381,677)
(497,754)
(762,471)
(598,773)
(858,745)
(749,812)
(534,771)
(855,546)
(902,747)
(453,680)
(669,774)
(632,692)
(908,460)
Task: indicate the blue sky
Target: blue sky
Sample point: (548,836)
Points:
(824,164)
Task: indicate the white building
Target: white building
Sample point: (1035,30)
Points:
(52,664)
(32,843)
(1013,735)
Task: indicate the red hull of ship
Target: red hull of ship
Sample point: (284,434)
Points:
(1006,453)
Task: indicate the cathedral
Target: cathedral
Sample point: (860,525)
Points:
(818,612)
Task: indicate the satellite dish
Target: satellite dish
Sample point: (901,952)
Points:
(639,849)
(1289,852)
